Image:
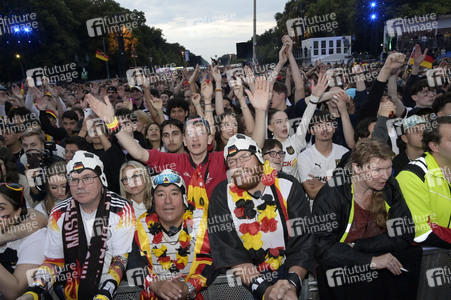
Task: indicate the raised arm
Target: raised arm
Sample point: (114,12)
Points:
(299,92)
(348,131)
(249,121)
(106,112)
(283,57)
(260,100)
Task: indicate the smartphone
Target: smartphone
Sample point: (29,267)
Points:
(87,112)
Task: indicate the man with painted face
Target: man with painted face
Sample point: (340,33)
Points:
(258,204)
(89,238)
(173,243)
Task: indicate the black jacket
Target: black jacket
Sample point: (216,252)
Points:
(336,198)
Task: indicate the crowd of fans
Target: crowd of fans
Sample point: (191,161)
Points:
(226,169)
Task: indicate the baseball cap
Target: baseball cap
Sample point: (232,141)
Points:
(240,142)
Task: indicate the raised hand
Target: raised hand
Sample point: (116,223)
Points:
(157,104)
(394,60)
(115,81)
(283,54)
(320,86)
(206,88)
(194,76)
(286,39)
(261,95)
(216,75)
(195,99)
(105,111)
(418,56)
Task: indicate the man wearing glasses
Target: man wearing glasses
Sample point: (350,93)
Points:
(263,249)
(90,236)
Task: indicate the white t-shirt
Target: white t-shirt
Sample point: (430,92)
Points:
(311,161)
(30,249)
(40,208)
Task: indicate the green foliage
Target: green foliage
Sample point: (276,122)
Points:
(62,34)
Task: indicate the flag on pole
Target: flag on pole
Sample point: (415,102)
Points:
(101,55)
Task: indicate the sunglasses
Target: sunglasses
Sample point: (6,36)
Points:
(166,178)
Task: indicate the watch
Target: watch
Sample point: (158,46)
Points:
(191,291)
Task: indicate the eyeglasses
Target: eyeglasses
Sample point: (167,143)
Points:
(86,180)
(275,153)
(134,179)
(232,162)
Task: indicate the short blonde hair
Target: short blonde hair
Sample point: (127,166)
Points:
(146,178)
(33,131)
(143,117)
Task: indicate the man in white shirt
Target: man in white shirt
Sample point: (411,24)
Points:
(316,163)
(89,236)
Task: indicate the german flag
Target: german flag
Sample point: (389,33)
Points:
(427,62)
(101,55)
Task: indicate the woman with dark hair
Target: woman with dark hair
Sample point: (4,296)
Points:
(57,189)
(272,152)
(227,125)
(22,255)
(365,230)
(153,136)
(9,172)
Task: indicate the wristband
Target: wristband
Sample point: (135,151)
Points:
(244,107)
(218,90)
(115,129)
(113,124)
(197,104)
(207,104)
(313,99)
(295,280)
(107,290)
(259,286)
(160,112)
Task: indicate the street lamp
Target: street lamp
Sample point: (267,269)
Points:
(21,65)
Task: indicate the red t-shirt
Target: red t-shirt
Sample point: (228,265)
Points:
(213,167)
(363,226)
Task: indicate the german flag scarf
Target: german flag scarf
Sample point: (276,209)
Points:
(88,260)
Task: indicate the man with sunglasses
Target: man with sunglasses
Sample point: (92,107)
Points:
(89,238)
(174,248)
(259,205)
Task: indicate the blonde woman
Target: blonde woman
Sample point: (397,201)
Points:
(135,186)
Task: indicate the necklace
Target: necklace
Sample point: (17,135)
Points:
(184,240)
(265,213)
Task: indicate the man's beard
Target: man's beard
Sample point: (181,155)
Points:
(250,179)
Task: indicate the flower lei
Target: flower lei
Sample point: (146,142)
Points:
(156,229)
(266,222)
